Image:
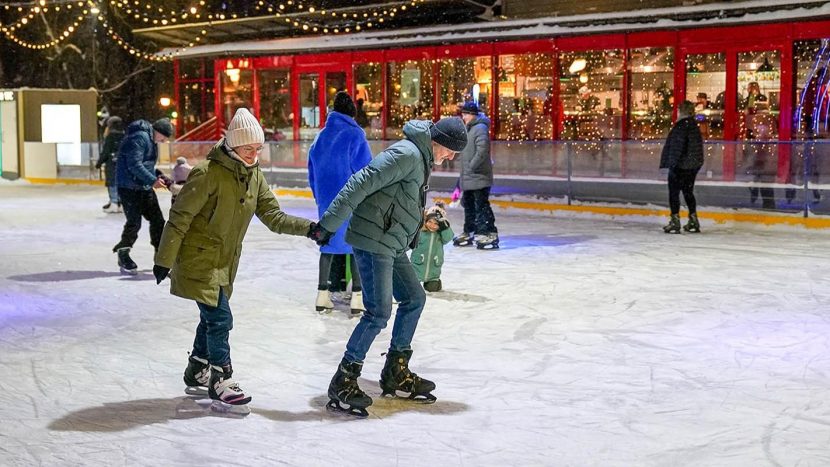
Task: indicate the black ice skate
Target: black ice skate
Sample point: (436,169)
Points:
(693,225)
(464,239)
(226,394)
(673,226)
(197,376)
(126,263)
(396,376)
(344,390)
(487,241)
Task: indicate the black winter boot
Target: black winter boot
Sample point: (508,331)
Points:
(433,286)
(674,224)
(693,225)
(126,263)
(197,376)
(344,390)
(397,377)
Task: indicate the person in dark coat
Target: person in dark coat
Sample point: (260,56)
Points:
(683,157)
(108,158)
(475,182)
(137,178)
(339,151)
(385,202)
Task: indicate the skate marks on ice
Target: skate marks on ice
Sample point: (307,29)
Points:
(66,276)
(451,296)
(512,242)
(383,407)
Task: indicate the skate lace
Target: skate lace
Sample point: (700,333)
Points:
(351,388)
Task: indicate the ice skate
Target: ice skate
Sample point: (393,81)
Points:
(113,208)
(693,225)
(344,390)
(126,263)
(356,303)
(323,303)
(433,286)
(463,239)
(106,206)
(673,226)
(487,241)
(196,376)
(225,392)
(396,376)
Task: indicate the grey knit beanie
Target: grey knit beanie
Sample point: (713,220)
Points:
(450,132)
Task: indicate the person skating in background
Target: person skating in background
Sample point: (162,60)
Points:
(338,152)
(428,257)
(137,178)
(475,182)
(108,158)
(202,244)
(387,198)
(683,156)
(180,173)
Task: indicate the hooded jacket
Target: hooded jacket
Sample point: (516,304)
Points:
(337,153)
(476,166)
(202,241)
(385,198)
(137,156)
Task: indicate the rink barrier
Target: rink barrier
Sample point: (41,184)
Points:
(64,181)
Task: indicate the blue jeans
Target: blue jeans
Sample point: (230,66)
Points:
(215,323)
(113,191)
(382,277)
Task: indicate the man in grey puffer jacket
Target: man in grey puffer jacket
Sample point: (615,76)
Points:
(386,203)
(476,180)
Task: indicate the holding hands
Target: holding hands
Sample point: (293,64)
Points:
(320,235)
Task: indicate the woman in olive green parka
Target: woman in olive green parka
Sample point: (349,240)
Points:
(202,243)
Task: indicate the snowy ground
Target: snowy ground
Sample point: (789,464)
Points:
(580,342)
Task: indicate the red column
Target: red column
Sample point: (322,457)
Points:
(730,115)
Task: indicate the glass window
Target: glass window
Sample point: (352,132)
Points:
(191,69)
(275,104)
(191,105)
(335,82)
(651,92)
(812,94)
(237,91)
(410,93)
(706,87)
(759,88)
(464,80)
(526,105)
(369,98)
(309,105)
(591,94)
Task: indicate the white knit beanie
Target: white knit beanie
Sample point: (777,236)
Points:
(244,129)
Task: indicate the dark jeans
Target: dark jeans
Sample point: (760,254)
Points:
(383,277)
(138,204)
(326,277)
(682,180)
(478,215)
(215,324)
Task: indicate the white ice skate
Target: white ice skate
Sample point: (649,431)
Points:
(225,392)
(323,303)
(357,303)
(487,241)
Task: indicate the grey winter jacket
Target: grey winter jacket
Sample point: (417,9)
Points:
(476,166)
(384,198)
(137,157)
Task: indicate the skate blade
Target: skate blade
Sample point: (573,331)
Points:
(323,310)
(221,407)
(462,244)
(418,398)
(489,246)
(334,406)
(196,391)
(129,272)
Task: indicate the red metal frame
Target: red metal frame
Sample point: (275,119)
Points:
(730,40)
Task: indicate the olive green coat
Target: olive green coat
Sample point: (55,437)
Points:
(202,241)
(384,199)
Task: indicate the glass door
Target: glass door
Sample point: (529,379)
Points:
(310,115)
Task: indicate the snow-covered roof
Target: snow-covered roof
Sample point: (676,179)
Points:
(714,14)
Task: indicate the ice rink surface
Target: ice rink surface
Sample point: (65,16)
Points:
(579,343)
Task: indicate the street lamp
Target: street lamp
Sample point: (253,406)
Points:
(164,102)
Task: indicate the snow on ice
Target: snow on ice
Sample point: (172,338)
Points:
(581,342)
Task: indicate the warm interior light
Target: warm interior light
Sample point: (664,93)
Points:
(578,65)
(164,102)
(583,78)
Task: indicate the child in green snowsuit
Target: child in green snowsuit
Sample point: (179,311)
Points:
(428,256)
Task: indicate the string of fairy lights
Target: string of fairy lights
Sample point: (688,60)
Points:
(303,17)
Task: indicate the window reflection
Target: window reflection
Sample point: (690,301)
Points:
(591,94)
(526,102)
(275,104)
(369,98)
(706,87)
(410,91)
(651,92)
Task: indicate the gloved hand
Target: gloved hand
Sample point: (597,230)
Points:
(320,235)
(443,224)
(160,272)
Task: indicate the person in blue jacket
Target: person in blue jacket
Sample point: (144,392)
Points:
(339,151)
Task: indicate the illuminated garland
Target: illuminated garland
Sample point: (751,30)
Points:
(69,31)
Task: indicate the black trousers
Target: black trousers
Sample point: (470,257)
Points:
(138,204)
(682,180)
(329,276)
(478,215)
